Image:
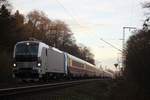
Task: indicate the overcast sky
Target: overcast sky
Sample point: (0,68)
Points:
(91,20)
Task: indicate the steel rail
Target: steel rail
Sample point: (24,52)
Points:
(35,88)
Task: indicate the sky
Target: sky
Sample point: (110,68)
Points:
(91,21)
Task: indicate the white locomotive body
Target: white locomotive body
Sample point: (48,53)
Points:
(35,60)
(29,59)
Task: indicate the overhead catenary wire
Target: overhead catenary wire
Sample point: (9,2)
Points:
(111,45)
(68,12)
(72,16)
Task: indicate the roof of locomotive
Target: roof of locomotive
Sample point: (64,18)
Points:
(40,43)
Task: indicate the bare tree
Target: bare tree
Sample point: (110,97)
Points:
(39,24)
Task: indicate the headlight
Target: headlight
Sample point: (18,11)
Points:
(39,64)
(14,65)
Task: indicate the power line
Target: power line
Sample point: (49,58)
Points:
(71,15)
(68,12)
(111,45)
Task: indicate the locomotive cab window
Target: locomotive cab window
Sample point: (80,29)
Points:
(27,49)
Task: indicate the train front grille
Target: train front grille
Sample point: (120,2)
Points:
(26,64)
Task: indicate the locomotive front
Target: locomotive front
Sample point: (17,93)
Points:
(26,63)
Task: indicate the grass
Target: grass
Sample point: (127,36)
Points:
(96,90)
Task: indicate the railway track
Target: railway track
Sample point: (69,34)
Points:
(36,88)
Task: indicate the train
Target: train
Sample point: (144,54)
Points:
(35,60)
